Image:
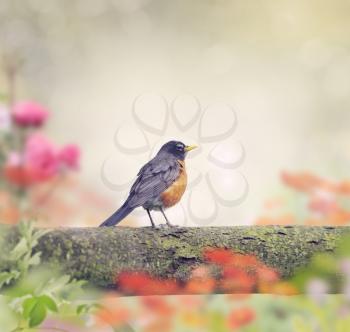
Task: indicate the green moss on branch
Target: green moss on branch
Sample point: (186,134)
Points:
(99,254)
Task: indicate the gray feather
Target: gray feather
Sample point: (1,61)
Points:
(153,178)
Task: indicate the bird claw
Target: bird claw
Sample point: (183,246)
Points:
(156,227)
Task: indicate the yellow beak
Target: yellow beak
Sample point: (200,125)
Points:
(190,147)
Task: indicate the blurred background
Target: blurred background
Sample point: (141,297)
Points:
(90,89)
(283,66)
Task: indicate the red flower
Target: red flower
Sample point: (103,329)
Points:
(133,282)
(16,172)
(218,256)
(240,317)
(200,286)
(18,175)
(140,283)
(161,287)
(29,114)
(267,275)
(244,261)
(236,281)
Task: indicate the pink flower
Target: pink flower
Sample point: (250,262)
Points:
(29,114)
(40,161)
(41,157)
(69,156)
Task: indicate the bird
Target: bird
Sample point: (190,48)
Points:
(159,185)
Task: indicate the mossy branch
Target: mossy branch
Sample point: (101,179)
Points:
(99,254)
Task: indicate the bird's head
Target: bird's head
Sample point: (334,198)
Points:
(176,149)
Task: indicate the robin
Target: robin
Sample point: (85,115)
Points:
(160,183)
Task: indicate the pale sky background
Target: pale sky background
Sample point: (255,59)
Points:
(284,66)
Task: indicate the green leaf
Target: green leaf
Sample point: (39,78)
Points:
(38,234)
(19,250)
(82,308)
(86,308)
(28,306)
(7,277)
(37,314)
(48,302)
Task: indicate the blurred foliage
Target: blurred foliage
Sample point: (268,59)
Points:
(15,262)
(333,268)
(29,292)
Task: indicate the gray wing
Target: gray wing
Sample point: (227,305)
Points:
(153,178)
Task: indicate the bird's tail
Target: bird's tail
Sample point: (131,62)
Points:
(117,216)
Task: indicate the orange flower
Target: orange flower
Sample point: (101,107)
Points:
(113,317)
(243,285)
(200,286)
(133,282)
(244,261)
(236,281)
(285,288)
(343,188)
(267,274)
(218,256)
(157,304)
(140,283)
(306,182)
(240,317)
(200,281)
(238,297)
(161,287)
(339,218)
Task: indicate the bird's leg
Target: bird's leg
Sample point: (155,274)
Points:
(166,219)
(150,218)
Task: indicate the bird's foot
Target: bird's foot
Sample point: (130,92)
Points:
(156,226)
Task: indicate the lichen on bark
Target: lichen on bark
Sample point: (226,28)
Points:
(99,254)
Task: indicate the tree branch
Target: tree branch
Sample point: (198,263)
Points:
(99,254)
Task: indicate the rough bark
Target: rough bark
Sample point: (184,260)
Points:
(99,254)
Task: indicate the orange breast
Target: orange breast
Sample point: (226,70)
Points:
(174,193)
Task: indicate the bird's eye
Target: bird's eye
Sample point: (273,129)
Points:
(179,147)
